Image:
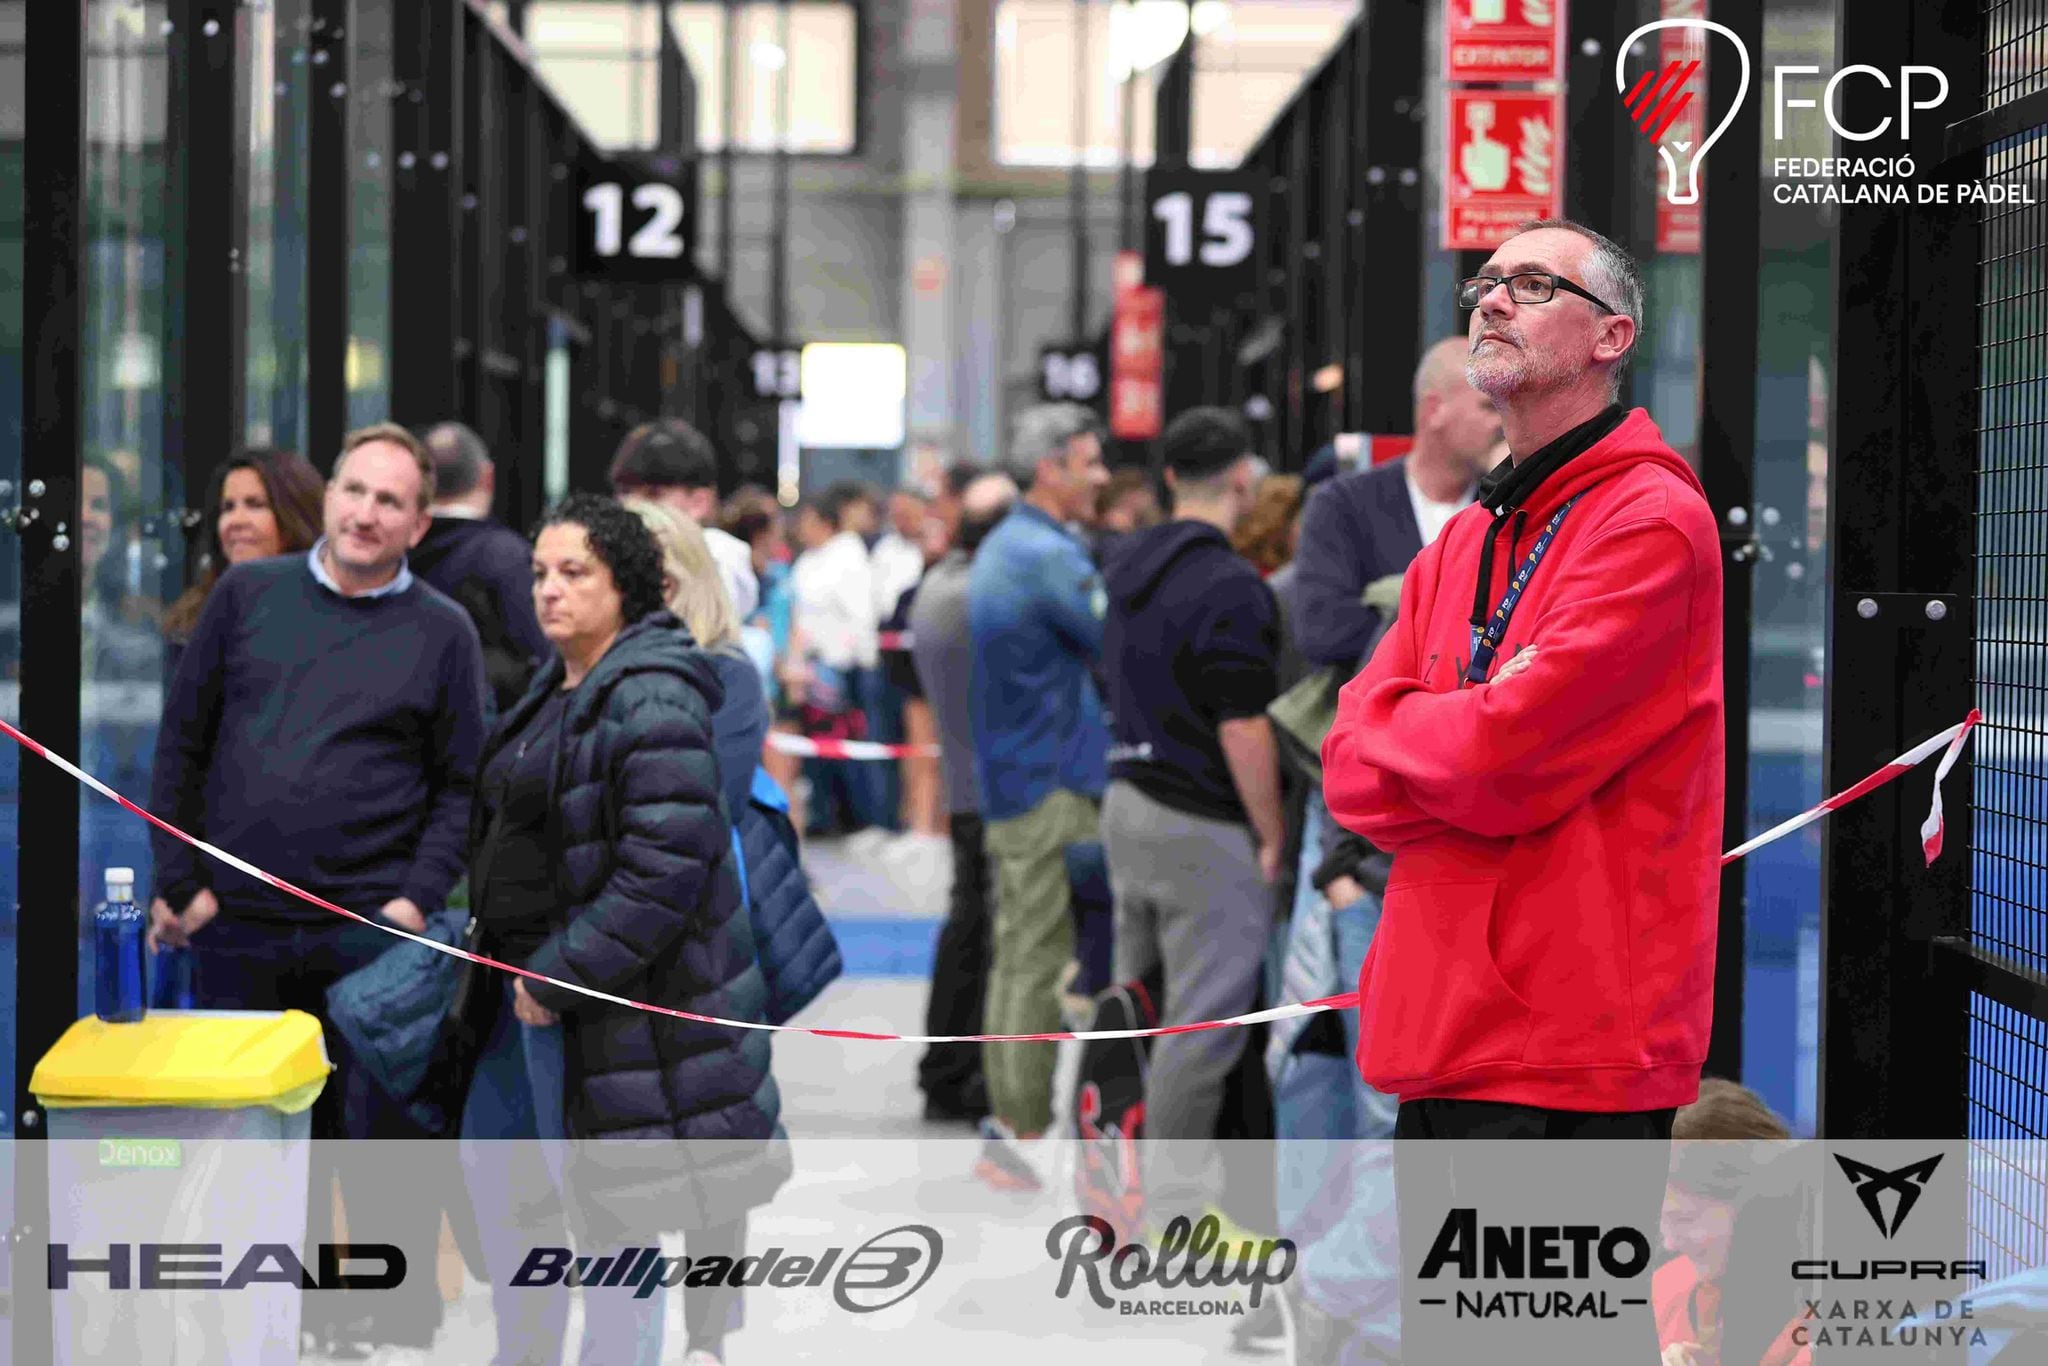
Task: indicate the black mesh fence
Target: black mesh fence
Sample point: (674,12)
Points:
(2008,1062)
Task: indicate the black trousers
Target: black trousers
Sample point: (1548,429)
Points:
(1612,1175)
(959,970)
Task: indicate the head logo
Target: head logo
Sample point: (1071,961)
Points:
(878,1274)
(1906,1183)
(1659,97)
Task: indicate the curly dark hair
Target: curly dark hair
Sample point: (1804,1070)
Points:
(622,542)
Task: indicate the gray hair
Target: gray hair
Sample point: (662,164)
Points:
(1611,273)
(460,458)
(1041,431)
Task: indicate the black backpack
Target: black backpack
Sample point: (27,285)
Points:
(507,670)
(1109,1117)
(1109,1109)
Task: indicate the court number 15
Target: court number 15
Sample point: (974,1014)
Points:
(1226,228)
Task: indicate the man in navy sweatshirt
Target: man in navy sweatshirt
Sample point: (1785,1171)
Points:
(1192,818)
(325,724)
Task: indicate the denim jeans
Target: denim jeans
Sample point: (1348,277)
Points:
(515,1185)
(1336,1162)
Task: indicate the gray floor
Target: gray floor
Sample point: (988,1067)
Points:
(867,1162)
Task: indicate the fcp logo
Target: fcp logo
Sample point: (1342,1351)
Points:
(1659,98)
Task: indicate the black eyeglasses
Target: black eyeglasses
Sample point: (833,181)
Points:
(1526,287)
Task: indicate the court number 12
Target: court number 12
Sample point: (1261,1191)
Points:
(658,238)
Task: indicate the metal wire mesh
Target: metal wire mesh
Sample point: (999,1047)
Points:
(2015,50)
(2009,853)
(2008,1050)
(2008,1118)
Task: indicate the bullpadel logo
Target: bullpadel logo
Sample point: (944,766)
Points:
(883,1271)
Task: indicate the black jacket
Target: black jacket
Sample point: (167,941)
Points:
(651,912)
(1191,641)
(488,568)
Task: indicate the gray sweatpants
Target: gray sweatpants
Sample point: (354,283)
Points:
(1189,900)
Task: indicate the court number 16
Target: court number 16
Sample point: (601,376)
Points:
(1226,227)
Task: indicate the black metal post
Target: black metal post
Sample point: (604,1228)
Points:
(1077,176)
(1901,500)
(54,234)
(426,297)
(1605,183)
(778,268)
(729,121)
(1127,238)
(1731,251)
(1383,330)
(327,230)
(203,350)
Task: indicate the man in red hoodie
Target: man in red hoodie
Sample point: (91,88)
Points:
(1538,743)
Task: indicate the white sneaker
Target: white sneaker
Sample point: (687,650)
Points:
(700,1357)
(401,1356)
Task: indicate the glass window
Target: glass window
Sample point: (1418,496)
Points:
(275,113)
(1250,60)
(602,59)
(1788,632)
(1251,57)
(1039,51)
(126,215)
(369,238)
(821,53)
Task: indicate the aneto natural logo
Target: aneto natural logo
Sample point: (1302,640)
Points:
(1660,96)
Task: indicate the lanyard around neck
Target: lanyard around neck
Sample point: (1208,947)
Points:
(1486,641)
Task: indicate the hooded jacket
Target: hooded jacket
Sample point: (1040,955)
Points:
(1192,640)
(488,568)
(650,910)
(1549,926)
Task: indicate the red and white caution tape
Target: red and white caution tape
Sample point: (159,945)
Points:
(1930,834)
(810,748)
(1930,829)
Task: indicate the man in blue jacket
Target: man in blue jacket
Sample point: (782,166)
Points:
(1035,607)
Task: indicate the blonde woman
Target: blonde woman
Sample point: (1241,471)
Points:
(698,597)
(798,955)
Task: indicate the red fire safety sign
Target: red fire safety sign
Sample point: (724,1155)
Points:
(1505,155)
(1137,364)
(1504,40)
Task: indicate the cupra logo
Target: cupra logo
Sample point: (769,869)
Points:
(1906,1183)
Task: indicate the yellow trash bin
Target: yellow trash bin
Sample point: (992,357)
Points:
(187,1128)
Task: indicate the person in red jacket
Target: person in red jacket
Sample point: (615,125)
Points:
(1538,743)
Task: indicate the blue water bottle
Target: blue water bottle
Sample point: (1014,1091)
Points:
(117,948)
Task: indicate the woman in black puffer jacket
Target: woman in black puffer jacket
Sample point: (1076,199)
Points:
(603,858)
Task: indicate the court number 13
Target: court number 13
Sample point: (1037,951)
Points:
(658,239)
(1226,228)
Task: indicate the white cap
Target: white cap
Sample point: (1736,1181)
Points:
(121,875)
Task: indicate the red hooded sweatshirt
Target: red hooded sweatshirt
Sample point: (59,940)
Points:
(1548,932)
